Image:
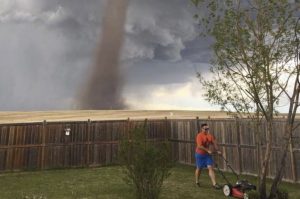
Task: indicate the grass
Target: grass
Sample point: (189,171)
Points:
(106,182)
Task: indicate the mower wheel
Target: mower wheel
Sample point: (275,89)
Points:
(246,196)
(227,190)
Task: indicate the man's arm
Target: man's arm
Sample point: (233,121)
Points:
(204,149)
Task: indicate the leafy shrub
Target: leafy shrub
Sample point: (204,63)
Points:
(146,164)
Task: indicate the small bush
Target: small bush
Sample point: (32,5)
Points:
(146,164)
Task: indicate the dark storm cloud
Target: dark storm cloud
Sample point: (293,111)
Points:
(164,39)
(47,47)
(159,72)
(159,29)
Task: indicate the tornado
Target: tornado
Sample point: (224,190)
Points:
(103,88)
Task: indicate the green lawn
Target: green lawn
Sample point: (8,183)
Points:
(106,182)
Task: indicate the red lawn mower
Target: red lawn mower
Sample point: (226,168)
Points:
(239,189)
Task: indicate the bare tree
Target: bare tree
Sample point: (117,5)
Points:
(254,65)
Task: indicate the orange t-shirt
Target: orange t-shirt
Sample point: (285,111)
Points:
(204,140)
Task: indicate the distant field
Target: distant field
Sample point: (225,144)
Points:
(39,116)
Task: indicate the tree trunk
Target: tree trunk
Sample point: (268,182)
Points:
(264,170)
(279,174)
(258,146)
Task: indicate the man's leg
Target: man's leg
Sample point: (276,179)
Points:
(211,174)
(197,175)
(198,168)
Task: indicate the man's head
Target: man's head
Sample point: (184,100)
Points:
(205,128)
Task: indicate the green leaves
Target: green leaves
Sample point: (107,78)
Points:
(146,164)
(254,46)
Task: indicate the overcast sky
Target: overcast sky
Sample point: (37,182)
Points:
(48,46)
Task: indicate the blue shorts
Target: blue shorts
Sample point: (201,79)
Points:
(202,161)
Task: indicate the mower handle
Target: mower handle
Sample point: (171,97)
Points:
(228,165)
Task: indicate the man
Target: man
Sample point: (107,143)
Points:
(203,154)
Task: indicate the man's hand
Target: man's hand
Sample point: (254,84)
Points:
(209,152)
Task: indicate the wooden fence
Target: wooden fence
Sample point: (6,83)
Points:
(35,146)
(237,141)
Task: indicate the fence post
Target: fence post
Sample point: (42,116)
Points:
(88,142)
(128,128)
(175,142)
(167,134)
(224,145)
(10,149)
(198,125)
(44,131)
(238,145)
(294,172)
(171,129)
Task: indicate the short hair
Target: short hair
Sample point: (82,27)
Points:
(202,125)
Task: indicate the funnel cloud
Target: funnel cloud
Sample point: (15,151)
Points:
(50,54)
(104,85)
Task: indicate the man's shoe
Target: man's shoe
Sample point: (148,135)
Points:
(198,184)
(217,186)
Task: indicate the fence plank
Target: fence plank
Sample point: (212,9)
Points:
(43,144)
(293,162)
(89,142)
(224,144)
(238,146)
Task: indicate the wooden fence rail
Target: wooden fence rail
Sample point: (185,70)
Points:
(47,145)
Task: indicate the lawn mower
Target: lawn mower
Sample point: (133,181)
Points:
(239,189)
